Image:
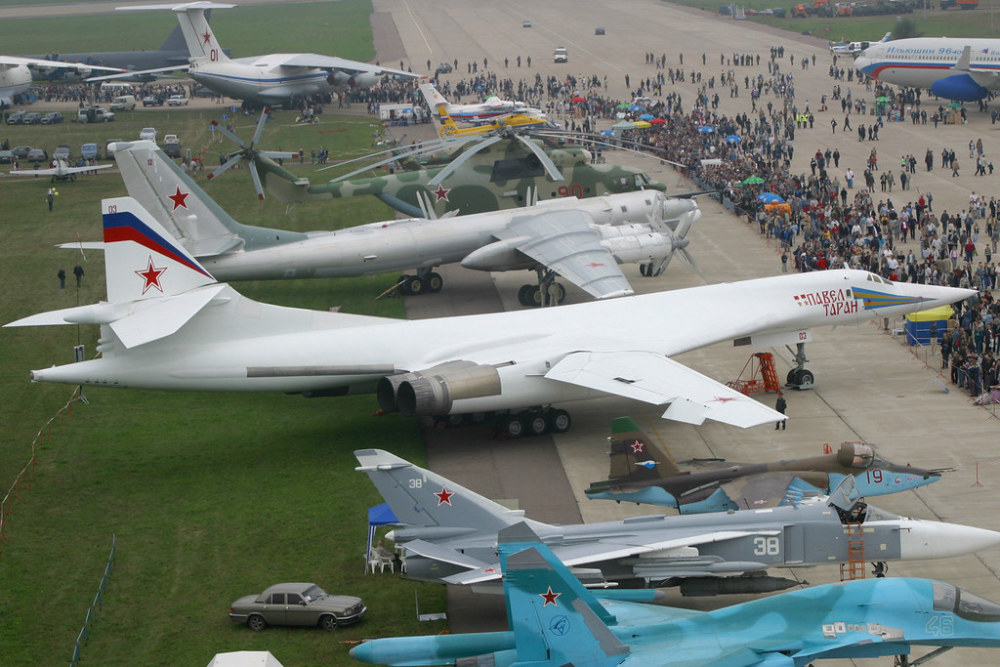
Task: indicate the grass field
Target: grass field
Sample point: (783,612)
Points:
(211,496)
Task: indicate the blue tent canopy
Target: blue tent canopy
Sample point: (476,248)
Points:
(380,515)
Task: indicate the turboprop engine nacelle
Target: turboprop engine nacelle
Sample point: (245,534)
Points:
(636,243)
(344,80)
(499,256)
(432,391)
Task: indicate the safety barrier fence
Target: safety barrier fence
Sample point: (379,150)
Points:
(95,606)
(22,480)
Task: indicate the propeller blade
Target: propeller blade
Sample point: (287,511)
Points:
(687,259)
(264,116)
(274,155)
(231,162)
(462,159)
(232,137)
(550,167)
(256,181)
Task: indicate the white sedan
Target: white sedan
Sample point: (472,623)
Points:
(148,133)
(177,101)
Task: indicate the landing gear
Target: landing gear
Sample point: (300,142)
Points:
(799,377)
(425,282)
(547,292)
(534,422)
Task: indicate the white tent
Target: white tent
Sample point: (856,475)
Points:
(245,659)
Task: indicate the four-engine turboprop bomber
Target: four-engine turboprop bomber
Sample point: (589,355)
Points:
(267,79)
(582,240)
(167,324)
(642,472)
(449,535)
(955,68)
(554,621)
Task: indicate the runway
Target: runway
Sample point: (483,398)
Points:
(869,386)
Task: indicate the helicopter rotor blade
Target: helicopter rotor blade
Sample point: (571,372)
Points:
(231,162)
(550,167)
(462,159)
(255,176)
(265,115)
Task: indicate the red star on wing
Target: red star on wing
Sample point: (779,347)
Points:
(179,198)
(444,496)
(594,265)
(151,276)
(207,37)
(549,597)
(722,399)
(637,446)
(441,193)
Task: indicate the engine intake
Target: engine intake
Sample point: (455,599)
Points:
(433,391)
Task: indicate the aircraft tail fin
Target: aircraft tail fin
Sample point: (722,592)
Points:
(435,100)
(175,200)
(634,456)
(192,18)
(142,260)
(553,617)
(419,497)
(886,37)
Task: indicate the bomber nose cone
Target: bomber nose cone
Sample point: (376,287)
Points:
(921,540)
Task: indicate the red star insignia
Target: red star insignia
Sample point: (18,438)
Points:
(151,276)
(637,446)
(207,37)
(179,198)
(441,193)
(594,265)
(490,570)
(549,597)
(444,496)
(722,399)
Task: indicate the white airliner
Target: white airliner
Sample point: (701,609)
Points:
(15,77)
(267,79)
(490,109)
(167,324)
(855,48)
(62,171)
(954,68)
(583,240)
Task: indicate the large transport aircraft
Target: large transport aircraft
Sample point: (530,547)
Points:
(642,472)
(268,79)
(448,534)
(554,622)
(16,76)
(582,240)
(167,324)
(960,69)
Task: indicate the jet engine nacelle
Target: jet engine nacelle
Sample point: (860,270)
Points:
(341,79)
(433,391)
(960,87)
(499,256)
(856,455)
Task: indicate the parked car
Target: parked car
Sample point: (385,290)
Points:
(16,117)
(177,101)
(37,155)
(123,103)
(31,118)
(525,24)
(443,68)
(21,152)
(94,115)
(152,101)
(88,151)
(598,31)
(6,157)
(560,55)
(62,152)
(297,604)
(52,117)
(148,134)
(172,148)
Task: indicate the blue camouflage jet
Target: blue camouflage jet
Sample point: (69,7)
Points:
(556,621)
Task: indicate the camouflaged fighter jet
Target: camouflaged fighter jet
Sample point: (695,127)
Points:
(448,534)
(642,472)
(505,170)
(554,621)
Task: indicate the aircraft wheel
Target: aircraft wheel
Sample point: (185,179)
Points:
(792,377)
(559,421)
(806,377)
(476,417)
(536,296)
(404,284)
(455,420)
(645,270)
(513,426)
(524,295)
(434,282)
(557,293)
(536,423)
(415,285)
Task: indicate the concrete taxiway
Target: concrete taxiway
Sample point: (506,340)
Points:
(870,386)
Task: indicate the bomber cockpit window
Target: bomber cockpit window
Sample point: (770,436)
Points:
(971,607)
(945,596)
